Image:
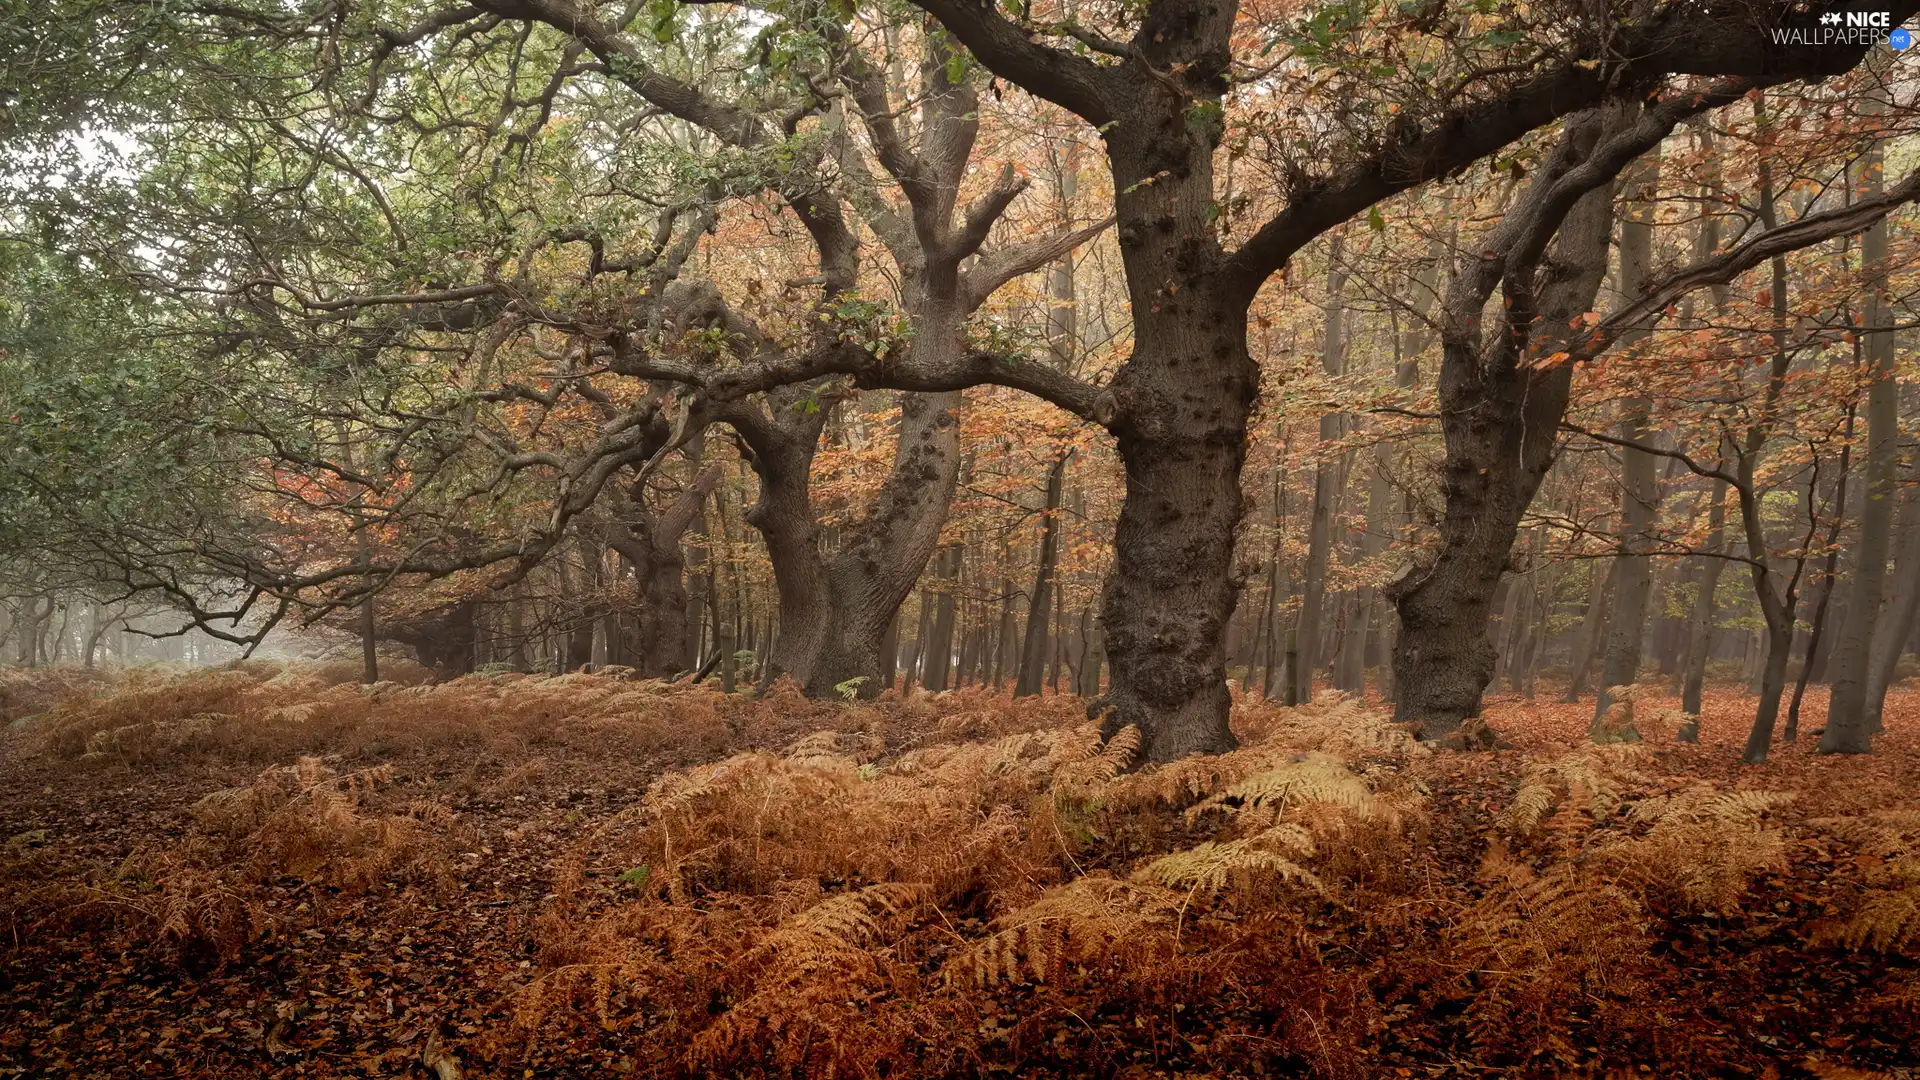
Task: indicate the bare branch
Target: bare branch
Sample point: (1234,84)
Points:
(998,266)
(984,211)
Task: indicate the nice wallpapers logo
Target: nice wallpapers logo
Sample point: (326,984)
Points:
(1847,28)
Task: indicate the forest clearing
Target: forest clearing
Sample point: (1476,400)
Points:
(954,538)
(238,873)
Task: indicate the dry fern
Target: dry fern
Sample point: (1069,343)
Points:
(1091,921)
(1306,778)
(1590,780)
(1887,918)
(1267,857)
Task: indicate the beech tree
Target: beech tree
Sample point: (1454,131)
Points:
(1154,86)
(549,247)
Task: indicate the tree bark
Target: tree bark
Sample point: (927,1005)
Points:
(937,670)
(1592,631)
(1033,648)
(1320,531)
(1639,479)
(1817,626)
(1500,416)
(1903,607)
(1701,620)
(1849,713)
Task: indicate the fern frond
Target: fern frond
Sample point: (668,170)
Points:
(1531,803)
(1887,921)
(1082,776)
(1092,919)
(840,928)
(1212,867)
(1308,778)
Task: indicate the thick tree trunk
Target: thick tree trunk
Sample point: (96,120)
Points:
(1171,592)
(444,640)
(1500,415)
(658,636)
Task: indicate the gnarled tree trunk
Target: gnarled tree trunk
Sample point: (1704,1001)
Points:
(1500,415)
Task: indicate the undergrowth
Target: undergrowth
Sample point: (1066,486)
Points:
(957,884)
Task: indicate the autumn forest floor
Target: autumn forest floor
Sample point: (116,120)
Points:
(269,872)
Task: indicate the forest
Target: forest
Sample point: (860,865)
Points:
(938,538)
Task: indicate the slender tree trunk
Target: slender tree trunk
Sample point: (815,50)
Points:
(1057,652)
(939,662)
(890,652)
(605,630)
(1507,599)
(1004,659)
(1639,478)
(1593,628)
(1817,629)
(1320,534)
(1897,621)
(96,631)
(917,655)
(1520,638)
(1033,650)
(1276,574)
(1776,607)
(1773,682)
(1849,713)
(1543,626)
(1090,654)
(1700,630)
(1373,544)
